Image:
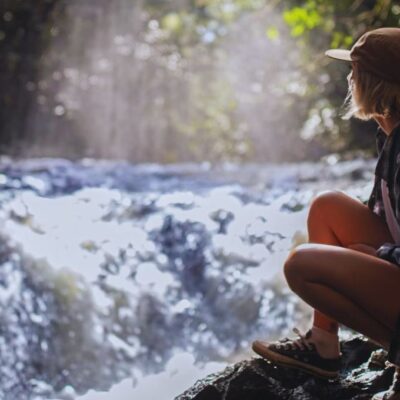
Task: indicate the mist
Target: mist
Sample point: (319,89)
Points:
(122,80)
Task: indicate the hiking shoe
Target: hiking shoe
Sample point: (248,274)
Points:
(393,393)
(300,354)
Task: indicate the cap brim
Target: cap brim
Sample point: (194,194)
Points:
(339,54)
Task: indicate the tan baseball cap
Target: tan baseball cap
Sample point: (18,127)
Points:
(377,52)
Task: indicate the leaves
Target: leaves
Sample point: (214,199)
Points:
(272,33)
(180,60)
(302,19)
(172,22)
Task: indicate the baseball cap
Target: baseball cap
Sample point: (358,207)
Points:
(377,52)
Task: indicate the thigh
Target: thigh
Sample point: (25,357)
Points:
(349,219)
(370,282)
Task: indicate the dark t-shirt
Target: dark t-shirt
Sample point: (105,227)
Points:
(388,168)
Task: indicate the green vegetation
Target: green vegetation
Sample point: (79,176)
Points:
(168,81)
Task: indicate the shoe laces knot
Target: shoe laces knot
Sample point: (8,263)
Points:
(302,341)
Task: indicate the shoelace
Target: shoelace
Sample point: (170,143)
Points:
(301,342)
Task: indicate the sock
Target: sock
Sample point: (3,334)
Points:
(325,323)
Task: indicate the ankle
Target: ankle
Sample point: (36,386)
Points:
(325,323)
(324,336)
(327,343)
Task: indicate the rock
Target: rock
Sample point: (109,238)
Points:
(363,373)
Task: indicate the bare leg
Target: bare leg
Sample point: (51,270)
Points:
(339,280)
(356,289)
(338,219)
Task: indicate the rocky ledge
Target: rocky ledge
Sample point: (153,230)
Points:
(364,372)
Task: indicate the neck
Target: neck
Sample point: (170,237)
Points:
(388,124)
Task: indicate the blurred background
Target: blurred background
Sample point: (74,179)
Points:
(172,81)
(158,158)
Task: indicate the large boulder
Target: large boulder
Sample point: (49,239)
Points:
(364,372)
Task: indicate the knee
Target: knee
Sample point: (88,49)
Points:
(295,267)
(323,202)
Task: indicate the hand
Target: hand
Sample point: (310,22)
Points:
(363,248)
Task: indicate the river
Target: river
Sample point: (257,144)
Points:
(132,281)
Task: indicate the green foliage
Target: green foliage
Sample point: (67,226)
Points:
(341,39)
(172,22)
(316,25)
(302,19)
(321,24)
(212,128)
(184,52)
(342,21)
(272,33)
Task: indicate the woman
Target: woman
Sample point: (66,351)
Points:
(349,272)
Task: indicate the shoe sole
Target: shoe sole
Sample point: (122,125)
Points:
(292,363)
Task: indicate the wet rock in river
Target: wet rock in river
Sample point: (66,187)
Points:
(223,218)
(184,244)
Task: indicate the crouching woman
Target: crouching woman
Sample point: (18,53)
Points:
(349,272)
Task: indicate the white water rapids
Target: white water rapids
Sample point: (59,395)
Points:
(131,282)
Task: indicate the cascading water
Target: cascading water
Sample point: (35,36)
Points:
(142,278)
(150,275)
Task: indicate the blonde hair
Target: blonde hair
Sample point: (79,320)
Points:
(370,96)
